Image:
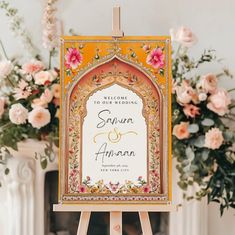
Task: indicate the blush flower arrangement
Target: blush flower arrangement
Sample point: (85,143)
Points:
(29,91)
(202,114)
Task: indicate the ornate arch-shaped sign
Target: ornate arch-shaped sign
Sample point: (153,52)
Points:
(115,120)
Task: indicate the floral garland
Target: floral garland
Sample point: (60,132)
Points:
(202,138)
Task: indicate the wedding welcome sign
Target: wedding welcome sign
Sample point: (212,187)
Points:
(115,129)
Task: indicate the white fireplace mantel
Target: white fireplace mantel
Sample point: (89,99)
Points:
(23,198)
(24,191)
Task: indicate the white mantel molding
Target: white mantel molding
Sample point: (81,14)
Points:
(25,190)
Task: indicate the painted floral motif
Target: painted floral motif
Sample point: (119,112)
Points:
(73,58)
(152,110)
(140,186)
(156,58)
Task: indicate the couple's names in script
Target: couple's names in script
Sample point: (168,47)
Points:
(106,118)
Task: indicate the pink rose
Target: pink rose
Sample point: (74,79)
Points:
(41,78)
(219,102)
(56,90)
(185,94)
(181,130)
(38,103)
(2,106)
(33,67)
(56,102)
(191,110)
(208,83)
(184,36)
(81,189)
(73,58)
(18,114)
(213,138)
(146,189)
(39,117)
(156,58)
(46,96)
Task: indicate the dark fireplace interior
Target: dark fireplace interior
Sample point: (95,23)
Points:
(66,223)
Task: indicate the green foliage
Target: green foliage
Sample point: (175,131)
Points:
(212,170)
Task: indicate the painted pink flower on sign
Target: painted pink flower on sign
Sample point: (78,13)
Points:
(156,58)
(73,58)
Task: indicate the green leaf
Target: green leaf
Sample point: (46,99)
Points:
(207,122)
(189,153)
(228,135)
(193,128)
(7,171)
(199,142)
(43,163)
(205,154)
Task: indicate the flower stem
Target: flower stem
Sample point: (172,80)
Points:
(4,51)
(50,57)
(232,106)
(230,90)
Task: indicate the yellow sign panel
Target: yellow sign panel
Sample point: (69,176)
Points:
(115,129)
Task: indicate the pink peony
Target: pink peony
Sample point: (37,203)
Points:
(43,77)
(156,58)
(213,138)
(73,58)
(184,36)
(208,83)
(18,114)
(2,106)
(191,110)
(219,102)
(181,130)
(23,91)
(33,67)
(39,117)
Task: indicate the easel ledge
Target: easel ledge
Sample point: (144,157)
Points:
(114,207)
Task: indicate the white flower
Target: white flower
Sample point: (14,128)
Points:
(44,76)
(5,68)
(18,114)
(202,96)
(39,117)
(184,36)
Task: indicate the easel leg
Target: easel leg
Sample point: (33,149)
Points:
(83,223)
(145,223)
(115,223)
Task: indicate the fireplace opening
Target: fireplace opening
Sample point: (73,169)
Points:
(66,223)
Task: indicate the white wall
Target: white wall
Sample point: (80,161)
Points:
(213,21)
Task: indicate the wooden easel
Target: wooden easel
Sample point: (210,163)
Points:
(115,214)
(114,209)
